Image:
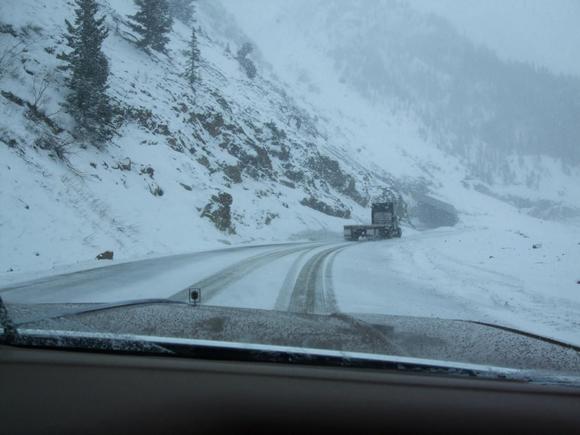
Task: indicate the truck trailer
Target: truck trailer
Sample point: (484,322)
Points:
(384,224)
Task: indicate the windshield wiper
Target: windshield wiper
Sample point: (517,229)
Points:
(527,334)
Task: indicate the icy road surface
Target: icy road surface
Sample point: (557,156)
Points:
(446,274)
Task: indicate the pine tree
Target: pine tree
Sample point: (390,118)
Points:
(245,62)
(152,22)
(194,58)
(182,10)
(88,102)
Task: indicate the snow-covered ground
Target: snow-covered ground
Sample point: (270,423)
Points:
(56,216)
(57,213)
(480,273)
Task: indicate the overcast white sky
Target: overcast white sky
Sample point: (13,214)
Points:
(541,31)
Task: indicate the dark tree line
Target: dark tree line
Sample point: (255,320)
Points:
(88,68)
(182,10)
(152,22)
(246,63)
(194,55)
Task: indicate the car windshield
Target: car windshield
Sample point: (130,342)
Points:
(393,179)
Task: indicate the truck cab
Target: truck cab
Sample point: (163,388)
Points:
(384,224)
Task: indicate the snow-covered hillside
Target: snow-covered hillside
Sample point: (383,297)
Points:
(422,86)
(294,153)
(165,182)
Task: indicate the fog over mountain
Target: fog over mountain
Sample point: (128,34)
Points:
(536,31)
(468,100)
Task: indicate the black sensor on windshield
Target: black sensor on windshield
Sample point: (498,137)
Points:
(194,296)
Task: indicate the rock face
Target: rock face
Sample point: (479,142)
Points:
(155,189)
(124,165)
(429,212)
(107,255)
(322,207)
(175,152)
(218,210)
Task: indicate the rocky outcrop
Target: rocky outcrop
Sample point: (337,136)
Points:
(218,210)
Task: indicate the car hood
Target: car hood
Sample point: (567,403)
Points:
(453,340)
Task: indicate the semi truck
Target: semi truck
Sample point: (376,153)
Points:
(384,224)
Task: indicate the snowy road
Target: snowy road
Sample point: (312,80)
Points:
(294,277)
(449,274)
(217,273)
(313,290)
(157,277)
(221,280)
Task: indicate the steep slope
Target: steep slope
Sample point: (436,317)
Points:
(511,127)
(293,153)
(238,161)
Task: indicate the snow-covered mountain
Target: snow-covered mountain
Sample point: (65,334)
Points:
(239,161)
(524,30)
(295,152)
(512,126)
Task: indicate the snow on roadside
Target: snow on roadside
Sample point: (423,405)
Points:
(151,278)
(521,274)
(58,214)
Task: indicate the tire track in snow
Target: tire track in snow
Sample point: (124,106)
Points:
(313,291)
(218,282)
(68,287)
(283,299)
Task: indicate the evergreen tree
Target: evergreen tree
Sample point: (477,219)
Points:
(182,10)
(152,22)
(88,102)
(246,63)
(194,57)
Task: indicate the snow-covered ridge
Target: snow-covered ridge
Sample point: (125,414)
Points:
(177,159)
(243,160)
(293,154)
(415,85)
